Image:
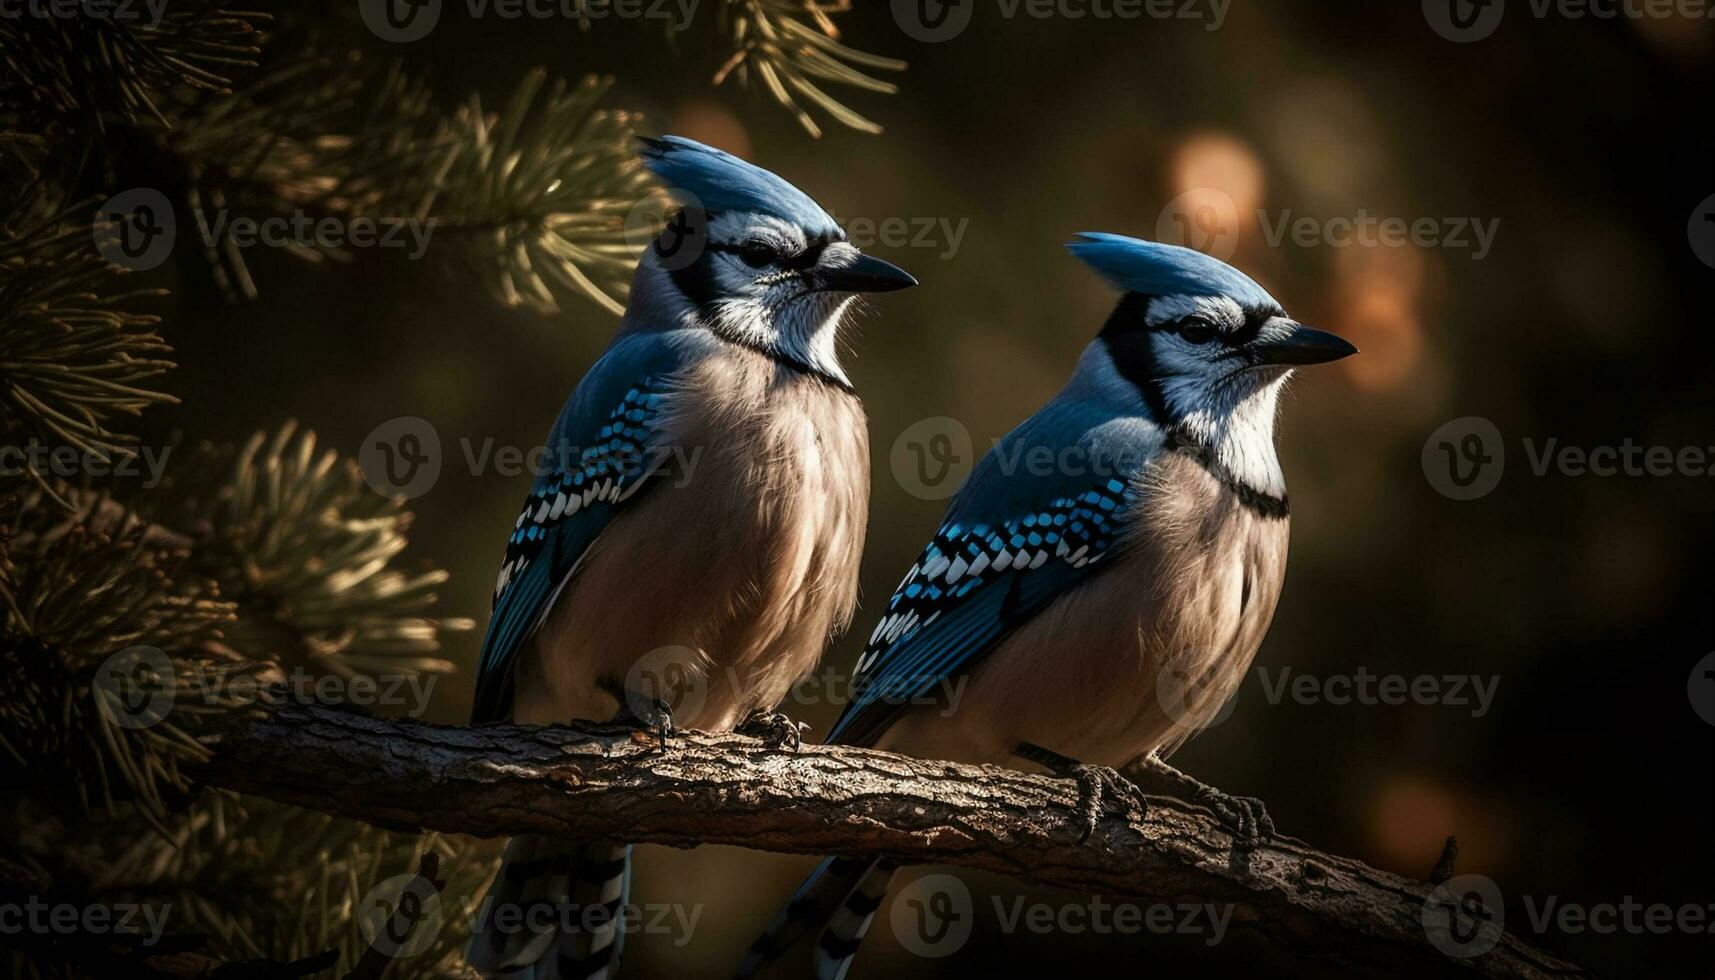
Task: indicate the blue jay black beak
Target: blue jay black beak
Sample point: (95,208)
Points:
(1304,345)
(867,274)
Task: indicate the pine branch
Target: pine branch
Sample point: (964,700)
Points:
(305,550)
(53,723)
(87,72)
(531,199)
(790,45)
(602,782)
(289,540)
(72,357)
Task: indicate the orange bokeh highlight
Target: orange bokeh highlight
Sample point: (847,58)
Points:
(1408,819)
(1221,161)
(707,122)
(1377,288)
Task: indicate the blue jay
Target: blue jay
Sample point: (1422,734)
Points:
(1147,543)
(705,495)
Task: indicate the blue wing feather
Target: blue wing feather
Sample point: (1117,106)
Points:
(1012,543)
(603,452)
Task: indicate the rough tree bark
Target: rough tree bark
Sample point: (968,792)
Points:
(608,783)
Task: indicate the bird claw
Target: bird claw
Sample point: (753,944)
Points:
(774,728)
(1093,783)
(656,719)
(1244,816)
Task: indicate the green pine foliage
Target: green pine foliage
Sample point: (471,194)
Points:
(254,564)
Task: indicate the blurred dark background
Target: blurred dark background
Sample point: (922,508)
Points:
(1589,779)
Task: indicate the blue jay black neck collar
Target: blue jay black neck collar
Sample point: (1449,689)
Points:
(788,361)
(1133,357)
(1259,502)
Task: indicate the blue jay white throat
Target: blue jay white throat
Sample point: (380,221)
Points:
(700,518)
(1101,609)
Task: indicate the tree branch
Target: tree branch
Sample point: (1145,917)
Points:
(603,782)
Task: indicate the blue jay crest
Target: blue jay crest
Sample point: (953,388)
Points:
(717,181)
(1155,269)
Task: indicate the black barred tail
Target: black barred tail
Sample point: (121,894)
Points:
(554,911)
(838,900)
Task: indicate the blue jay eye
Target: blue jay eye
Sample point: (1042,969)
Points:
(756,255)
(1197,331)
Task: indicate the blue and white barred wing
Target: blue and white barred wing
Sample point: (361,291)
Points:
(1011,544)
(600,457)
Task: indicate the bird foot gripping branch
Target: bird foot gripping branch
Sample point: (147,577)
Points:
(1093,783)
(775,728)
